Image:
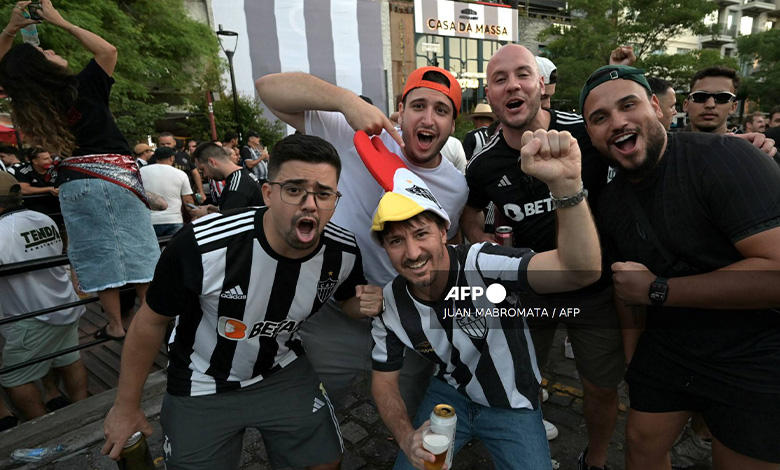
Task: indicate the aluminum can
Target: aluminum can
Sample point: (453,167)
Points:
(504,235)
(443,421)
(136,455)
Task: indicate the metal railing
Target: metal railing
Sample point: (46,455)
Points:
(46,263)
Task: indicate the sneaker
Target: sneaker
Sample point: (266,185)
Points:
(545,395)
(581,465)
(550,429)
(567,350)
(690,450)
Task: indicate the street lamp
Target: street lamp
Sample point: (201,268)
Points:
(224,37)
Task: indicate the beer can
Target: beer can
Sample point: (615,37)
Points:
(443,421)
(136,455)
(504,235)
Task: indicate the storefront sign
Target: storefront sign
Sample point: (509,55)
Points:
(466,20)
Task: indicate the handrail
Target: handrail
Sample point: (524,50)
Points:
(46,263)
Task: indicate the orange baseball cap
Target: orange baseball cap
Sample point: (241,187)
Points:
(452,91)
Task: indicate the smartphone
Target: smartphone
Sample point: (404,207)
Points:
(34,10)
(191,206)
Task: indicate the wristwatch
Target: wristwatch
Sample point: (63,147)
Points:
(659,289)
(569,201)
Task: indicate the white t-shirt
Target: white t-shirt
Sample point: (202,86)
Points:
(28,235)
(362,193)
(170,183)
(453,151)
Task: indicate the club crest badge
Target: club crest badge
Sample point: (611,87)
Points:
(326,287)
(474,326)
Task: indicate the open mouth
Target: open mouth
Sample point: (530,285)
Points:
(625,142)
(425,137)
(514,104)
(306,230)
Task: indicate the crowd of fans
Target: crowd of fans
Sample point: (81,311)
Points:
(663,235)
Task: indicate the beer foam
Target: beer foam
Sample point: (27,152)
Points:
(436,443)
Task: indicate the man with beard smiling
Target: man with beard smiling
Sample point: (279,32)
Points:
(692,221)
(515,89)
(240,284)
(340,347)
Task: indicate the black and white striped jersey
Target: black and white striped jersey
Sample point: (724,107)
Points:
(238,304)
(488,358)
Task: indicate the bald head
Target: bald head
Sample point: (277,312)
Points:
(512,53)
(514,86)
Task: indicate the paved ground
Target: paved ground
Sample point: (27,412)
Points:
(369,444)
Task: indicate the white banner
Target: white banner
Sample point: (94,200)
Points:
(465,20)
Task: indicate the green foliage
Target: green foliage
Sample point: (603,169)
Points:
(763,49)
(463,126)
(251,120)
(600,26)
(161,51)
(679,68)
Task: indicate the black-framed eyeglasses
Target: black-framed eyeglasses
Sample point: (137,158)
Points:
(721,97)
(296,195)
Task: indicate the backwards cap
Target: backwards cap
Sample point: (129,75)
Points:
(407,194)
(452,91)
(612,72)
(546,69)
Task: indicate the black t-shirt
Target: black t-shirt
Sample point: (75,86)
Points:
(495,175)
(25,173)
(523,202)
(183,162)
(707,193)
(90,119)
(240,191)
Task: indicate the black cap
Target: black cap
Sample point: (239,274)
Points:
(252,134)
(163,153)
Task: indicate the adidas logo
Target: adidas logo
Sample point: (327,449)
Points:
(504,182)
(233,294)
(317,405)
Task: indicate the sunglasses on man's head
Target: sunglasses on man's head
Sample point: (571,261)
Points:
(721,97)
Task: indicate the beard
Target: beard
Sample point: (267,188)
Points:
(292,236)
(656,139)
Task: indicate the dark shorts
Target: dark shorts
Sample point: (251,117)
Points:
(745,421)
(595,336)
(290,409)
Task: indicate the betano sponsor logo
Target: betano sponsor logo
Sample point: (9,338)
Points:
(236,330)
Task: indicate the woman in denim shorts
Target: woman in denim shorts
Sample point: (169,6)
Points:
(103,202)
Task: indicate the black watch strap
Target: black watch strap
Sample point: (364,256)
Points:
(659,290)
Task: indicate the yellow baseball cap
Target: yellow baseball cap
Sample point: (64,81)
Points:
(409,197)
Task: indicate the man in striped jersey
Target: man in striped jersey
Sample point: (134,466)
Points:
(240,284)
(485,361)
(515,88)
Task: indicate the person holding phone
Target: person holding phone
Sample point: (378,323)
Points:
(104,204)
